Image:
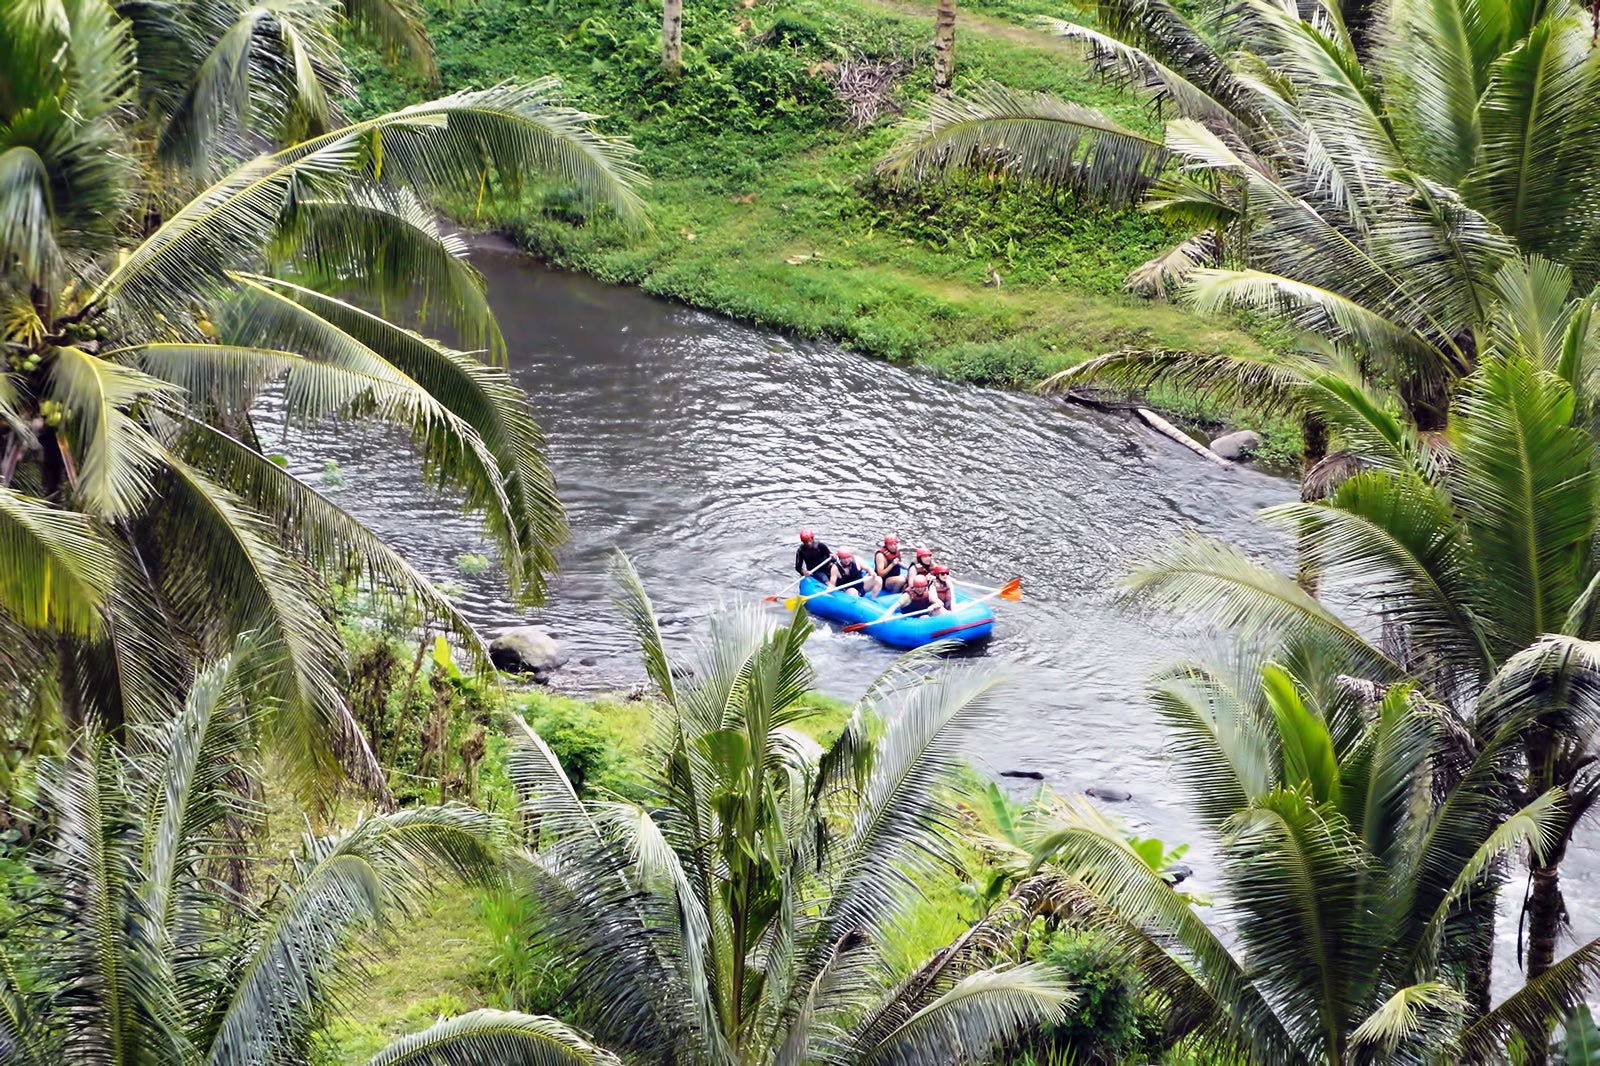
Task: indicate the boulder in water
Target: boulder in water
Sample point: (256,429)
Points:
(1236,445)
(527,650)
(1109,793)
(1027,775)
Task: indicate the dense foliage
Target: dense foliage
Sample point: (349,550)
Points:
(158,278)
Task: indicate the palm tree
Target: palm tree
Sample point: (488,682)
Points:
(144,316)
(736,916)
(1362,180)
(1355,835)
(944,46)
(142,945)
(671,37)
(1474,545)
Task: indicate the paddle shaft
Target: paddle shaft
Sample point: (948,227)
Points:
(857,627)
(796,582)
(824,592)
(981,588)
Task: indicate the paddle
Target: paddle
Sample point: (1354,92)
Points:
(854,627)
(1010,591)
(858,626)
(794,601)
(796,582)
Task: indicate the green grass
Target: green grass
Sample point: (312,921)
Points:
(763,201)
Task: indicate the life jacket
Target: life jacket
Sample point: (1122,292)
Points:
(942,586)
(917,602)
(883,557)
(848,573)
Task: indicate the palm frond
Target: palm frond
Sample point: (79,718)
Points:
(978,1015)
(1299,303)
(1257,382)
(640,614)
(502,1037)
(383,241)
(56,568)
(114,456)
(1541,144)
(342,886)
(1530,1011)
(1422,1014)
(1430,72)
(1206,578)
(328,537)
(1032,135)
(1396,537)
(231,575)
(1524,477)
(27,215)
(1166,273)
(481,437)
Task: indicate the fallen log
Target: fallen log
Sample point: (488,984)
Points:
(1167,429)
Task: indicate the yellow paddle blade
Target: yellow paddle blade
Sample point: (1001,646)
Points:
(792,602)
(1012,590)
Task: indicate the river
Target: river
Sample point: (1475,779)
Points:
(700,446)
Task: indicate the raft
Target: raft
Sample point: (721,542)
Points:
(968,621)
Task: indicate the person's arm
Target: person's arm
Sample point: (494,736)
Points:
(799,560)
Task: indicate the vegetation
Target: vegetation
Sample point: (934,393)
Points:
(762,193)
(1349,894)
(735,869)
(1366,192)
(155,283)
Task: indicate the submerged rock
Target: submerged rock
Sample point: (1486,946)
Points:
(1236,445)
(527,650)
(1029,775)
(1178,873)
(1109,793)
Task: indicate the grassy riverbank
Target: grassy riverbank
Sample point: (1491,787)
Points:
(763,200)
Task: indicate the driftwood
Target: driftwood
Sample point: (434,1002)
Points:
(1167,429)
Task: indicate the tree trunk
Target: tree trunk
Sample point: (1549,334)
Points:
(53,478)
(944,46)
(1547,910)
(671,37)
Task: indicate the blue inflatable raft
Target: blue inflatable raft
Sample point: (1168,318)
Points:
(968,621)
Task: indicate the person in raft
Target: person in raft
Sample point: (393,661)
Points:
(849,576)
(922,562)
(812,557)
(939,578)
(886,565)
(919,598)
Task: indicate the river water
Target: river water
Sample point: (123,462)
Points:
(700,446)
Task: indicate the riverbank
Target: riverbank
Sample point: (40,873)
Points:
(763,202)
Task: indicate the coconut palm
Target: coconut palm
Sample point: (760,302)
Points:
(142,944)
(143,525)
(737,916)
(1362,181)
(1473,546)
(1355,835)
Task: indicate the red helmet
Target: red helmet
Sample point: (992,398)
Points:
(807,536)
(845,554)
(920,581)
(890,538)
(941,570)
(924,553)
